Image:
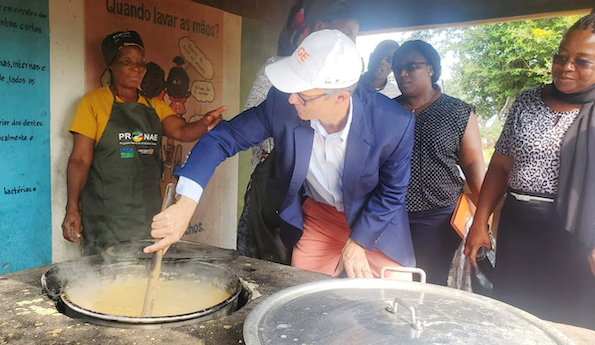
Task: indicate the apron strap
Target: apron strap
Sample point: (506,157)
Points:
(139,92)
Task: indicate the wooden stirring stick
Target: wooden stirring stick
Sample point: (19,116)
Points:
(155,270)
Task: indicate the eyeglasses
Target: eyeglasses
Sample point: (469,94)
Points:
(387,58)
(561,60)
(409,66)
(304,101)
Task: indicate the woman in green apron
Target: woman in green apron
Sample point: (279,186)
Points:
(114,169)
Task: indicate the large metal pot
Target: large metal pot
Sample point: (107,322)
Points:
(375,311)
(59,278)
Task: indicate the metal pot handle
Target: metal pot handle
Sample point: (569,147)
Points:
(402,269)
(416,324)
(52,288)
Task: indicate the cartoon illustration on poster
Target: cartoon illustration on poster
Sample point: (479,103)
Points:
(184,51)
(153,83)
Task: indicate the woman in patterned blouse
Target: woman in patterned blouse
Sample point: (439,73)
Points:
(446,137)
(546,239)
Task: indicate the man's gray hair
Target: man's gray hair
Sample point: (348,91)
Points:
(349,89)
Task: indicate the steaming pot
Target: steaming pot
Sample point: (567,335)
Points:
(59,278)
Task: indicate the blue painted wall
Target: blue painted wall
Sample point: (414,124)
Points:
(25,199)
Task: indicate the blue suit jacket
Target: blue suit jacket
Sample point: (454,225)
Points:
(375,176)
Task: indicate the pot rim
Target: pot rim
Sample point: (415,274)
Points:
(87,313)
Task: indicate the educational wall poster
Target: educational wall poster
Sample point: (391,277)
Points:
(184,49)
(25,200)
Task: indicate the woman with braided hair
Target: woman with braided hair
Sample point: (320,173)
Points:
(258,225)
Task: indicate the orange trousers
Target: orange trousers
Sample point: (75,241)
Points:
(325,234)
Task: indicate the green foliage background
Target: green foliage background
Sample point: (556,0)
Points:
(497,62)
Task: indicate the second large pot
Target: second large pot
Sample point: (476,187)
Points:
(374,311)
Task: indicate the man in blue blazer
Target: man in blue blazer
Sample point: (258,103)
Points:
(339,148)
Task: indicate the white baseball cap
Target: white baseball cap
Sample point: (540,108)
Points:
(326,59)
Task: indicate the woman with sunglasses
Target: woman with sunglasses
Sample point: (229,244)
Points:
(546,237)
(446,137)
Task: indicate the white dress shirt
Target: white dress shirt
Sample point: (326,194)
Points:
(324,180)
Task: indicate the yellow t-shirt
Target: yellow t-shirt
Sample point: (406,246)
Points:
(94,110)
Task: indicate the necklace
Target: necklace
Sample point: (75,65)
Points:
(421,105)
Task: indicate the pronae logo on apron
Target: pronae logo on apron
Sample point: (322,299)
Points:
(138,138)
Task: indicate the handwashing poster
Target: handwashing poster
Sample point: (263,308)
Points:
(25,199)
(184,50)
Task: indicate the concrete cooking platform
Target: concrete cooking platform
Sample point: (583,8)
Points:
(27,316)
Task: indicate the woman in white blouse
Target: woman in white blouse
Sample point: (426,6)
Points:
(545,258)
